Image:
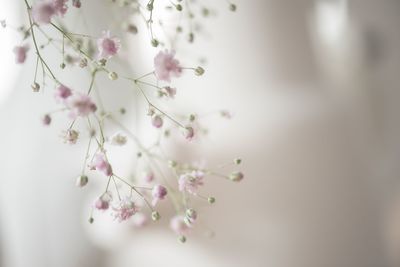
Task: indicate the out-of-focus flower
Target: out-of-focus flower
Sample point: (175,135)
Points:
(76,3)
(124,209)
(140,220)
(169,91)
(62,93)
(43,11)
(157,121)
(46,120)
(236,176)
(178,225)
(166,66)
(80,105)
(118,139)
(159,192)
(20,53)
(108,45)
(60,7)
(103,202)
(101,164)
(188,132)
(190,182)
(148,176)
(71,136)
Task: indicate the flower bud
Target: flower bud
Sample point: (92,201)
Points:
(113,76)
(155,216)
(76,3)
(46,120)
(157,121)
(81,181)
(172,163)
(188,132)
(191,216)
(154,42)
(199,71)
(62,65)
(232,7)
(192,117)
(178,7)
(237,161)
(182,238)
(91,220)
(35,87)
(211,200)
(236,176)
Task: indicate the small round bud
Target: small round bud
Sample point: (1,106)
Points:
(205,12)
(182,239)
(122,111)
(191,37)
(35,87)
(83,62)
(237,161)
(232,7)
(154,42)
(76,3)
(113,76)
(150,6)
(179,29)
(167,133)
(178,7)
(81,181)
(139,154)
(192,117)
(236,176)
(211,200)
(157,121)
(46,120)
(91,220)
(191,215)
(103,62)
(172,163)
(155,216)
(199,71)
(62,65)
(131,28)
(188,132)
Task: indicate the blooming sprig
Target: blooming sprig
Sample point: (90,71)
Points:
(164,181)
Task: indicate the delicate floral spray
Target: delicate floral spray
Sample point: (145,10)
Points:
(163,180)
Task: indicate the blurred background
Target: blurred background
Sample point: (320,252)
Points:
(314,88)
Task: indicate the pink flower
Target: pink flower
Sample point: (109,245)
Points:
(157,121)
(62,93)
(70,136)
(178,225)
(103,202)
(76,3)
(108,45)
(43,11)
(60,7)
(148,177)
(165,66)
(159,192)
(101,164)
(188,133)
(191,181)
(20,54)
(81,105)
(125,209)
(169,91)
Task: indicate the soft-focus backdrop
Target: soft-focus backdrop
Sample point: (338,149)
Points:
(314,87)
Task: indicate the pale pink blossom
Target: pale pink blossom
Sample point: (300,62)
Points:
(101,164)
(20,53)
(80,105)
(159,192)
(165,66)
(124,209)
(70,136)
(43,11)
(60,7)
(190,182)
(108,45)
(118,139)
(171,92)
(148,176)
(62,93)
(157,121)
(103,202)
(188,132)
(178,225)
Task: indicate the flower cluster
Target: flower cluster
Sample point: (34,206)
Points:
(164,181)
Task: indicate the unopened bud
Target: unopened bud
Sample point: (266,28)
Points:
(81,181)
(178,7)
(154,42)
(232,7)
(155,216)
(35,87)
(236,176)
(199,71)
(211,200)
(237,161)
(182,239)
(113,76)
